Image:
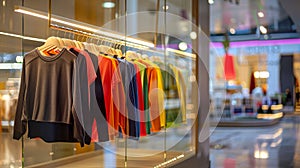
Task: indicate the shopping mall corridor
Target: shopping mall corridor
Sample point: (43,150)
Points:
(257,147)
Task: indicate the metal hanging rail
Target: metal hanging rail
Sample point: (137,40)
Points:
(94,36)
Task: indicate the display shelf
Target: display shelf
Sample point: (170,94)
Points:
(258,121)
(10,66)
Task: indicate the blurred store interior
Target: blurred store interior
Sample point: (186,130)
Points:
(239,62)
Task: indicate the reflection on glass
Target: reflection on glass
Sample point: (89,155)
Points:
(260,152)
(171,143)
(266,141)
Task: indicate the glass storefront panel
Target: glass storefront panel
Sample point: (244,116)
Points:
(10,66)
(158,110)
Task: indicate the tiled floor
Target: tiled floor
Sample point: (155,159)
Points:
(272,147)
(256,147)
(148,151)
(10,153)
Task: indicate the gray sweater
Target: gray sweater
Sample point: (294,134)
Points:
(49,97)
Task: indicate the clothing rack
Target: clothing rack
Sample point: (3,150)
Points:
(122,42)
(95,36)
(101,39)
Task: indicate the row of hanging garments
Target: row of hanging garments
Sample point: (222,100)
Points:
(82,92)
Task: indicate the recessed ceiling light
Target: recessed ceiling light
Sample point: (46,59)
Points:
(211,2)
(108,5)
(19,59)
(165,7)
(261,74)
(193,35)
(263,30)
(232,30)
(260,14)
(182,46)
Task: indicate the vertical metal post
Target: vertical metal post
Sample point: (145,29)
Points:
(23,53)
(165,60)
(49,13)
(200,14)
(202,21)
(125,33)
(195,12)
(156,22)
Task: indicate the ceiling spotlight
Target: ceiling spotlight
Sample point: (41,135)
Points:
(193,35)
(211,2)
(261,74)
(182,46)
(263,30)
(108,5)
(19,59)
(165,7)
(232,31)
(260,14)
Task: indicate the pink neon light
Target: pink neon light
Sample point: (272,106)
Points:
(256,43)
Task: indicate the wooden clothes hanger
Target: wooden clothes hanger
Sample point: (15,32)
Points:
(87,46)
(73,41)
(52,46)
(103,48)
(61,42)
(90,47)
(50,42)
(119,51)
(76,43)
(93,47)
(108,48)
(131,55)
(80,44)
(68,43)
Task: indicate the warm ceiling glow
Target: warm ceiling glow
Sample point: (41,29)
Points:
(263,30)
(22,37)
(31,13)
(193,56)
(79,25)
(108,5)
(260,14)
